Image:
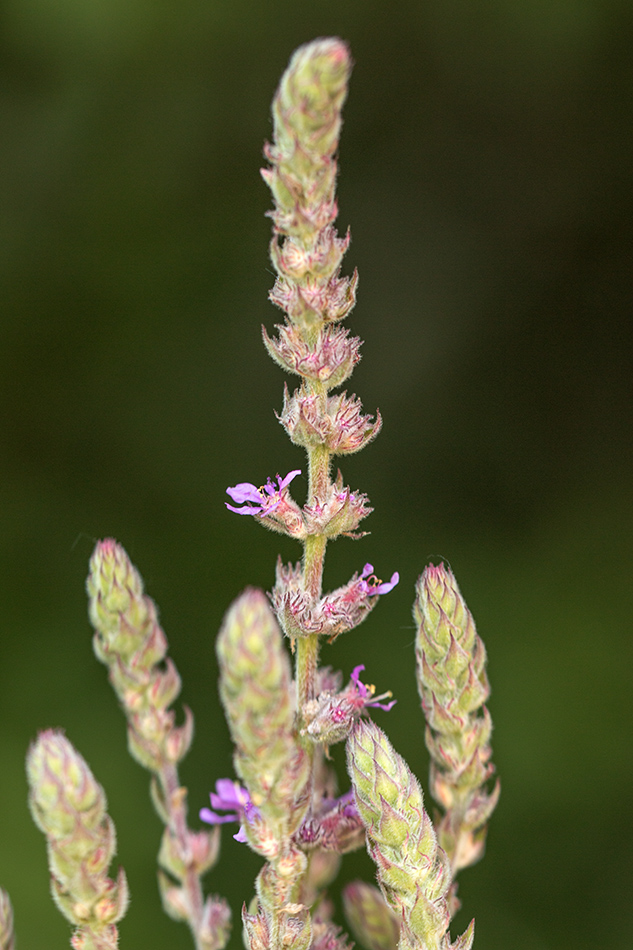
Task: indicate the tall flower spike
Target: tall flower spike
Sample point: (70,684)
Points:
(69,806)
(275,756)
(413,871)
(130,641)
(453,686)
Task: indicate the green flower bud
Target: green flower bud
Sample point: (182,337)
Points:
(453,686)
(413,871)
(257,692)
(69,806)
(7,938)
(372,921)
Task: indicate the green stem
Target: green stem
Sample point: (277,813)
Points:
(307,656)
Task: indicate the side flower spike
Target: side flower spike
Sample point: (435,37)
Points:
(413,871)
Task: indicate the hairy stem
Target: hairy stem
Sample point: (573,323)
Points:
(175,799)
(313,557)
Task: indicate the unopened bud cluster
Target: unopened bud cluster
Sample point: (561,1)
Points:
(69,806)
(453,686)
(282,728)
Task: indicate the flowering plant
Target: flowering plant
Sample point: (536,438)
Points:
(284,721)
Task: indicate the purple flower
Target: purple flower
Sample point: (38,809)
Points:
(230,797)
(371,585)
(259,501)
(344,805)
(366,693)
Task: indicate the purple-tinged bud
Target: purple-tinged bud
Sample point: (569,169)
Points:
(215,926)
(334,826)
(335,613)
(174,898)
(69,806)
(322,259)
(329,936)
(7,937)
(330,361)
(330,716)
(313,302)
(340,514)
(256,930)
(339,424)
(306,250)
(307,120)
(198,852)
(371,920)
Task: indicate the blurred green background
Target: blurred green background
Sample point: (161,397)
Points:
(487,166)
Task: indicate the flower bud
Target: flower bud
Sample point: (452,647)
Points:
(329,361)
(330,716)
(328,936)
(307,121)
(7,937)
(372,921)
(338,424)
(258,697)
(340,513)
(335,613)
(216,924)
(130,641)
(453,686)
(413,871)
(69,806)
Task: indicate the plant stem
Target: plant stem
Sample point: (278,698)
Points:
(175,798)
(313,556)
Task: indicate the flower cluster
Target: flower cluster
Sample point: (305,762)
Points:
(283,722)
(334,613)
(331,716)
(287,811)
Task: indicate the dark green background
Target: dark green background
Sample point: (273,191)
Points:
(486,174)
